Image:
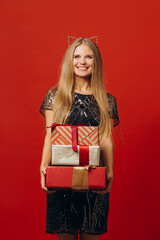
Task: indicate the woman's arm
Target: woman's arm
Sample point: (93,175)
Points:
(47,150)
(107,157)
(106,146)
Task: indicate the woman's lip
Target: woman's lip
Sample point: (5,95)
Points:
(82,67)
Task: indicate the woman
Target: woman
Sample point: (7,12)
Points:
(80,98)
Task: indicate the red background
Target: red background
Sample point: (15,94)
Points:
(33,40)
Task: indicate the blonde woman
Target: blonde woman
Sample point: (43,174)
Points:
(80,97)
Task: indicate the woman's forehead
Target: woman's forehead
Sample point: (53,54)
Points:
(83,49)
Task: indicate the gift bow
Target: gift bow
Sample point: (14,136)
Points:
(74,129)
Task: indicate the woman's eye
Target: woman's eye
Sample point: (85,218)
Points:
(77,56)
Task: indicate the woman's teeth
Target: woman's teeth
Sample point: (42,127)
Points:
(82,68)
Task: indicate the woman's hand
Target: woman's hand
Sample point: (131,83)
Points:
(108,184)
(109,180)
(43,182)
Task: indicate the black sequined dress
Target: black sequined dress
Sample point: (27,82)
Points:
(70,211)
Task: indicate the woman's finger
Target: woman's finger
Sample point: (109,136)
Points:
(109,186)
(45,189)
(51,191)
(43,171)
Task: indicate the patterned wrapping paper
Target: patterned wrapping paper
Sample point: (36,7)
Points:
(87,135)
(86,155)
(78,178)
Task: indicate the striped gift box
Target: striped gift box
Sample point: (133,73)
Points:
(87,135)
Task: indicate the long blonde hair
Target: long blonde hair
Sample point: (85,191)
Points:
(63,98)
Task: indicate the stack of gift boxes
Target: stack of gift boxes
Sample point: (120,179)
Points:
(75,158)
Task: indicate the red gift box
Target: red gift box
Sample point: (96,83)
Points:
(75,177)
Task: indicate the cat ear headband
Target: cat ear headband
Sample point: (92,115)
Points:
(70,38)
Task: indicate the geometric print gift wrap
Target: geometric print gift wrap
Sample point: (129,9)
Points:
(65,155)
(75,145)
(87,135)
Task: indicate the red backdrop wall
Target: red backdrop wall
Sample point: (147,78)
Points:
(33,40)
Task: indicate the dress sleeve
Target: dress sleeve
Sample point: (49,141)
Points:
(113,111)
(48,101)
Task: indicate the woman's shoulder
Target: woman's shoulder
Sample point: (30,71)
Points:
(111,100)
(52,91)
(48,100)
(112,108)
(50,95)
(110,97)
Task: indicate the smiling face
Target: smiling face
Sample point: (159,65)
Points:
(83,61)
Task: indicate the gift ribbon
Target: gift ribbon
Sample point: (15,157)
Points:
(83,155)
(74,129)
(80,178)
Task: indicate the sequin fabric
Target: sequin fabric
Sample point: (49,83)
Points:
(84,108)
(71,211)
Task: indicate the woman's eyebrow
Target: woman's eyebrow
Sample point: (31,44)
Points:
(86,55)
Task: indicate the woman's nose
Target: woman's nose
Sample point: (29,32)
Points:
(82,60)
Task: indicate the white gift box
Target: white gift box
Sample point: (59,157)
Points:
(65,155)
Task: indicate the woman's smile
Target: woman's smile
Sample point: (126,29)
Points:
(82,68)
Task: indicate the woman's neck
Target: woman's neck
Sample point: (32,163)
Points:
(82,85)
